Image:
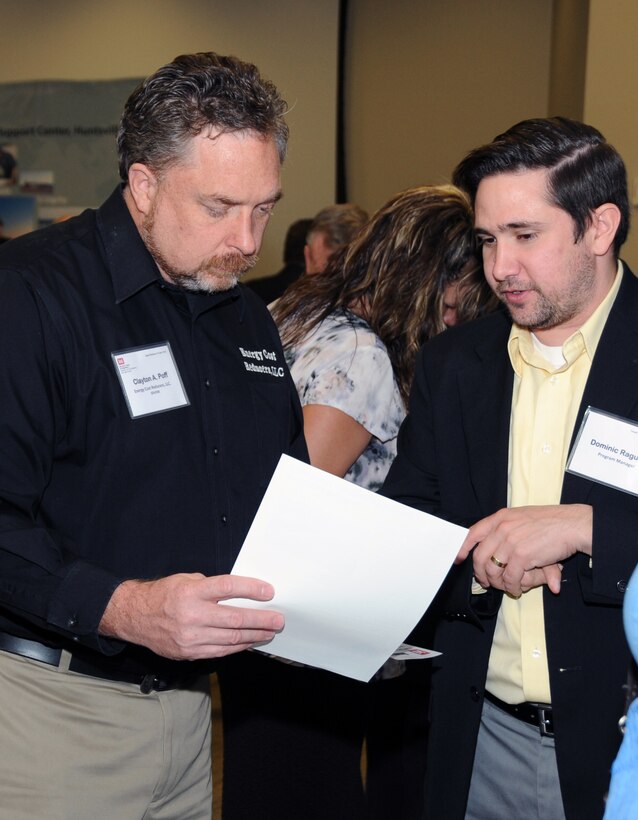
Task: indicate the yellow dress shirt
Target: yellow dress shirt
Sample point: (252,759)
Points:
(545,403)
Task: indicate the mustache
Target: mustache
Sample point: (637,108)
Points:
(232,263)
(506,287)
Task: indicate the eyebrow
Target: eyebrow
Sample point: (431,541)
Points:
(511,226)
(224,200)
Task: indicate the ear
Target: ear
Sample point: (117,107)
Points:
(306,256)
(604,224)
(142,184)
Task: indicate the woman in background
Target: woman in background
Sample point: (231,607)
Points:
(293,735)
(351,335)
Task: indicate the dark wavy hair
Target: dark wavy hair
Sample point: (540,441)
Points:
(585,171)
(393,273)
(189,95)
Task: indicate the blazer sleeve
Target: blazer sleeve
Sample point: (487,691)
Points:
(604,579)
(414,480)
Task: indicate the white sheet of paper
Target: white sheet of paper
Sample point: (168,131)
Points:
(353,572)
(606,451)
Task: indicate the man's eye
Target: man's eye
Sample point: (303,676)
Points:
(485,240)
(525,237)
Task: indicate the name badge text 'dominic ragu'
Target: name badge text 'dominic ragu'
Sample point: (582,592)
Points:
(606,451)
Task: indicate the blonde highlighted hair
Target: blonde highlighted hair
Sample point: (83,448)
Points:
(393,273)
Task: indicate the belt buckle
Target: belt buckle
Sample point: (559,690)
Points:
(149,684)
(545,720)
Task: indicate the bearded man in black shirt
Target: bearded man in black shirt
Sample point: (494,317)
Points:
(145,404)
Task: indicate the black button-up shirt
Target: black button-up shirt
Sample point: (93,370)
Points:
(90,496)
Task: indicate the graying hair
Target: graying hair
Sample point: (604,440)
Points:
(194,93)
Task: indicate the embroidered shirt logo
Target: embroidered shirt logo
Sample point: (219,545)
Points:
(258,361)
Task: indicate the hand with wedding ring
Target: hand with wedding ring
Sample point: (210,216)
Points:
(518,548)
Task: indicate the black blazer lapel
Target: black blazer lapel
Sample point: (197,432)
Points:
(612,385)
(486,399)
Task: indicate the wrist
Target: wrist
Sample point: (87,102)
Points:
(118,617)
(585,528)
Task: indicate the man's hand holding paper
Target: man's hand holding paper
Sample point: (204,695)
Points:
(351,583)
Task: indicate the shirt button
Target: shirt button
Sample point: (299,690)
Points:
(73,621)
(552,380)
(215,451)
(546,448)
(621,586)
(207,383)
(224,519)
(536,653)
(474,694)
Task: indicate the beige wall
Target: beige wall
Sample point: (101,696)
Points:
(427,79)
(570,21)
(294,43)
(610,89)
(431,80)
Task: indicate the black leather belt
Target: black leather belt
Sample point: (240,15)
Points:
(539,715)
(158,682)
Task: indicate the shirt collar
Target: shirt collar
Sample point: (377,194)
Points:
(131,266)
(520,345)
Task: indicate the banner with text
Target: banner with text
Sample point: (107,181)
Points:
(62,134)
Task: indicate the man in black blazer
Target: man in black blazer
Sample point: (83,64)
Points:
(529,688)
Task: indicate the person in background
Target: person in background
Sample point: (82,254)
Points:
(529,688)
(357,329)
(8,167)
(332,228)
(270,288)
(351,338)
(450,300)
(137,440)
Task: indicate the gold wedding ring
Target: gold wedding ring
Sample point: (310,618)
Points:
(498,563)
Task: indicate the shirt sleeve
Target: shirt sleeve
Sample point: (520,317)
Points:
(42,580)
(360,383)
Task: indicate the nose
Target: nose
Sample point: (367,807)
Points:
(243,236)
(500,260)
(449,316)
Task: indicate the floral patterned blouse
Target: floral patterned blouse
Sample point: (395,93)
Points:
(341,363)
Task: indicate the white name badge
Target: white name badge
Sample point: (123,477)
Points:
(150,379)
(606,451)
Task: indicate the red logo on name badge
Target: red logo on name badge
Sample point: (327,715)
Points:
(120,359)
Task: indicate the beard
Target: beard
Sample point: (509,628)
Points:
(217,273)
(550,311)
